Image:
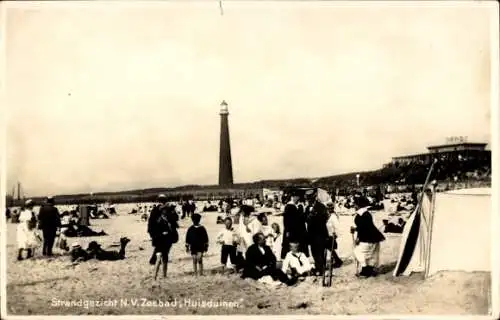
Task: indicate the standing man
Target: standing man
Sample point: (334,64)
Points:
(294,226)
(49,222)
(185,209)
(192,207)
(317,232)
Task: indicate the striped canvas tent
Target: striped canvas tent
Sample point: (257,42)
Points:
(449,231)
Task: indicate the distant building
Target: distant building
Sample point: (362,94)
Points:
(448,152)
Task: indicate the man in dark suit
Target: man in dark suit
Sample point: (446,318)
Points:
(294,226)
(317,232)
(49,222)
(192,207)
(260,262)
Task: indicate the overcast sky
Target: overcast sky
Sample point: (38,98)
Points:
(116,97)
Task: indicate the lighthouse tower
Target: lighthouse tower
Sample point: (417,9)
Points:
(225,163)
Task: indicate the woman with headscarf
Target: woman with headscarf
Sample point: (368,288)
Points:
(27,238)
(368,238)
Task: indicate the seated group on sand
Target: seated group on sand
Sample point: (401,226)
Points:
(255,249)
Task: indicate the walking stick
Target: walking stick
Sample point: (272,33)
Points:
(353,249)
(330,266)
(157,266)
(325,254)
(57,241)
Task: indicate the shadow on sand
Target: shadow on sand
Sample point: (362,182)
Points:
(212,271)
(387,268)
(188,257)
(32,283)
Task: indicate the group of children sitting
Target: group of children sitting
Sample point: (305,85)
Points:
(254,251)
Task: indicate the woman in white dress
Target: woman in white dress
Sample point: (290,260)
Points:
(276,240)
(249,226)
(27,238)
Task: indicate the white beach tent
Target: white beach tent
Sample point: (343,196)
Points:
(451,232)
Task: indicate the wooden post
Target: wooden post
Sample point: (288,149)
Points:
(84,215)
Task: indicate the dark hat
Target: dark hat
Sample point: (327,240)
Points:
(293,239)
(246,209)
(361,202)
(261,216)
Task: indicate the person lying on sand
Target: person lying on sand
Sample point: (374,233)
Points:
(94,251)
(75,230)
(78,254)
(98,253)
(391,227)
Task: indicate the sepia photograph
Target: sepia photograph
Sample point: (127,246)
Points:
(263,158)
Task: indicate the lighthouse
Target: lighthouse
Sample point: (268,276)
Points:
(225,162)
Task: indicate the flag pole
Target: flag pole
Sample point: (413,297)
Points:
(417,211)
(429,233)
(221,9)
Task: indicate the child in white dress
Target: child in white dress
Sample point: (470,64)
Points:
(27,237)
